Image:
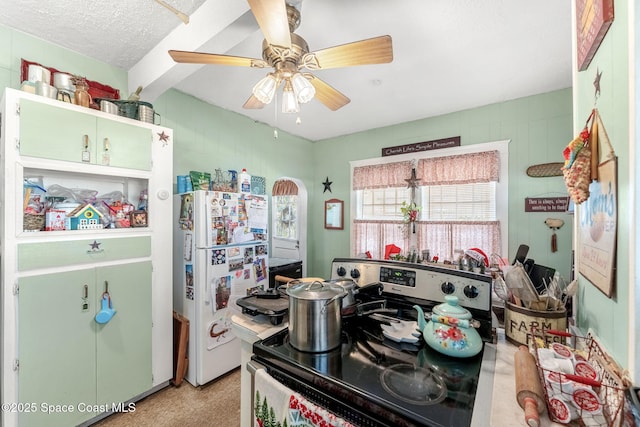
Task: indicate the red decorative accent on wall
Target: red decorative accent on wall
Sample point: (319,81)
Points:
(96,89)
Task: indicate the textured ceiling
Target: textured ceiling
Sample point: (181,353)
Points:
(449,55)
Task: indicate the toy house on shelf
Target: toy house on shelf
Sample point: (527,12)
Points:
(85,217)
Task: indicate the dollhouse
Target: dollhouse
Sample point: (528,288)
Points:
(85,217)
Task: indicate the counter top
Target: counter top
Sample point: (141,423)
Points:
(254,328)
(505,411)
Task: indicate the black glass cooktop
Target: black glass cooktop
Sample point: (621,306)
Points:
(374,381)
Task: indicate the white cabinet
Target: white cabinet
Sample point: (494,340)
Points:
(53,352)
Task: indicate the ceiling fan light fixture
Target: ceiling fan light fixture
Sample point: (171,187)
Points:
(289,101)
(303,89)
(265,89)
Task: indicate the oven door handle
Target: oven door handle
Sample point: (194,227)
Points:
(253,367)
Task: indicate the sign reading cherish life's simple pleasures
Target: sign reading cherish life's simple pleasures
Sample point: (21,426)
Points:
(546,204)
(436,144)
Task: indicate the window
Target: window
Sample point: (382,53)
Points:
(459,202)
(286,224)
(381,203)
(462,199)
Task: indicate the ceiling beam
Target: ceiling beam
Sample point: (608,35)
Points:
(215,27)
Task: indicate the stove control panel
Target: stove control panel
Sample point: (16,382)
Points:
(398,276)
(421,281)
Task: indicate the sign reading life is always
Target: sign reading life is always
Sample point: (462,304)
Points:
(546,204)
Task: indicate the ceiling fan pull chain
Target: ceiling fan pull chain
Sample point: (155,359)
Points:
(275,115)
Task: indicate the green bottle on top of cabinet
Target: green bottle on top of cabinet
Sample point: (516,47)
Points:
(68,360)
(45,132)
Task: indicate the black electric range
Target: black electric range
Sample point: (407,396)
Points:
(371,380)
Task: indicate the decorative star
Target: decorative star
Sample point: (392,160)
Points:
(95,245)
(596,82)
(327,185)
(413,181)
(164,138)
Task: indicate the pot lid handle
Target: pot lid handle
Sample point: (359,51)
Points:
(451,308)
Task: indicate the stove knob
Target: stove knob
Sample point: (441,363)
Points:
(448,288)
(471,291)
(341,271)
(355,273)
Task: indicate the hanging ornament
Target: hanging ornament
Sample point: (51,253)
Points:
(596,84)
(413,181)
(554,224)
(327,185)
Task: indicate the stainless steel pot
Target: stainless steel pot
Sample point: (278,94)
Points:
(108,107)
(353,289)
(315,321)
(45,89)
(64,81)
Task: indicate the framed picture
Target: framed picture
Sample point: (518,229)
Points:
(334,214)
(138,218)
(593,19)
(598,227)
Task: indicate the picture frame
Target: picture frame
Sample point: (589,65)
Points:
(334,214)
(598,229)
(593,19)
(138,218)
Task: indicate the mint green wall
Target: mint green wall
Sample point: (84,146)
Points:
(539,128)
(208,137)
(609,317)
(15,45)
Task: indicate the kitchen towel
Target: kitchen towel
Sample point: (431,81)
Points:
(275,403)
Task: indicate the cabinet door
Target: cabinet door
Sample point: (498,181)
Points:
(128,146)
(124,343)
(57,346)
(55,133)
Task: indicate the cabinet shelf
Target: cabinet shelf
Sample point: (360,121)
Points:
(81,168)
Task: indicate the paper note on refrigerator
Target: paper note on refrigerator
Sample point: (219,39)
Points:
(258,214)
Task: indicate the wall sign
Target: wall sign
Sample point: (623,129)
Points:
(598,229)
(593,19)
(436,144)
(546,204)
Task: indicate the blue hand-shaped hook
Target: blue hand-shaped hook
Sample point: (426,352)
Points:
(106,312)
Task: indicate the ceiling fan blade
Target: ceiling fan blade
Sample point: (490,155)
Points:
(212,58)
(377,50)
(253,103)
(272,19)
(330,97)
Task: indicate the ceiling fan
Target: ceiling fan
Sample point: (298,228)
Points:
(288,54)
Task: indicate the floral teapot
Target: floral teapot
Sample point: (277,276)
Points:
(451,330)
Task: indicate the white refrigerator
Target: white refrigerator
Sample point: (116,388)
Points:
(220,255)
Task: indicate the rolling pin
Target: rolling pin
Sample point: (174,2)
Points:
(285,279)
(528,388)
(282,279)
